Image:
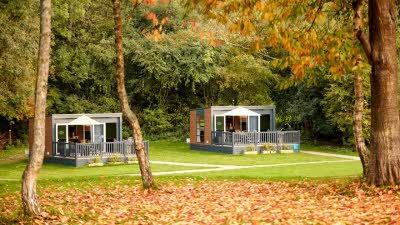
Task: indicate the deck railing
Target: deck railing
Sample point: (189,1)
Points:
(247,138)
(84,150)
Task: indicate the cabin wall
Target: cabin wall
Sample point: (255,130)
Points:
(48,136)
(207,126)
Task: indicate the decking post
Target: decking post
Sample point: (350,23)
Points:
(53,150)
(255,141)
(76,155)
(124,148)
(233,139)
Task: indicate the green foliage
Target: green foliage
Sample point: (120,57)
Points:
(247,79)
(156,122)
(18,46)
(194,63)
(82,75)
(338,103)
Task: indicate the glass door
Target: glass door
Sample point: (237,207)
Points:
(61,137)
(98,134)
(253,123)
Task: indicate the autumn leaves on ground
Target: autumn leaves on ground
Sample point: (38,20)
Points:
(343,201)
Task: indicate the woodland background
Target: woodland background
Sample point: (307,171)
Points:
(193,62)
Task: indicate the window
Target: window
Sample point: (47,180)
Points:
(111,132)
(265,123)
(61,133)
(219,123)
(230,124)
(243,123)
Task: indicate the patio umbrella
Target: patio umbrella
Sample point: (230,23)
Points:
(240,111)
(83,120)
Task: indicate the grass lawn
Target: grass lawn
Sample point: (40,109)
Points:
(323,170)
(13,163)
(329,149)
(12,154)
(11,167)
(55,171)
(180,152)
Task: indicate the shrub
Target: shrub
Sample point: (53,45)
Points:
(97,160)
(115,158)
(287,147)
(250,149)
(269,147)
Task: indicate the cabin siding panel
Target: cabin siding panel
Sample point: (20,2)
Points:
(48,137)
(193,126)
(207,126)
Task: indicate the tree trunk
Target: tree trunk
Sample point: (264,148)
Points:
(28,193)
(357,121)
(143,160)
(384,167)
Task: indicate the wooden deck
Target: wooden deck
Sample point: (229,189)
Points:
(80,154)
(239,142)
(254,138)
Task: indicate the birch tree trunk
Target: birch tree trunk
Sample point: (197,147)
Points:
(361,148)
(384,166)
(28,193)
(145,170)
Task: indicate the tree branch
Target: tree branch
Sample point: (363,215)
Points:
(358,25)
(316,14)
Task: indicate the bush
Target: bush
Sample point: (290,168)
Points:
(156,121)
(115,158)
(18,143)
(269,147)
(97,160)
(287,147)
(250,149)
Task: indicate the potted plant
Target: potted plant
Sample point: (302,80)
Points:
(286,148)
(98,161)
(115,159)
(250,150)
(269,148)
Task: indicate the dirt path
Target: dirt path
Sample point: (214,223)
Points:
(332,155)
